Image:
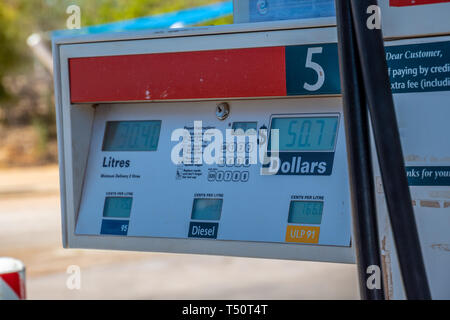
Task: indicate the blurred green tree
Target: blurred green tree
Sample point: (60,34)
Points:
(27,115)
(20,18)
(8,50)
(26,94)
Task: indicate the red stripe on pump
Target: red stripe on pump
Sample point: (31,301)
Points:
(230,73)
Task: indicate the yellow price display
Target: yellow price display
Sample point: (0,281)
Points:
(302,234)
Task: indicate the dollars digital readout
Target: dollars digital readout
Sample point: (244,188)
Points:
(306,133)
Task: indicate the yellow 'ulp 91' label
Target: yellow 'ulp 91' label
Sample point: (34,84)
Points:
(302,234)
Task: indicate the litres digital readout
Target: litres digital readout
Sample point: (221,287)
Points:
(306,133)
(305,212)
(131,135)
(117,207)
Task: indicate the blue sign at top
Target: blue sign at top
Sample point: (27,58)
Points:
(270,10)
(177,19)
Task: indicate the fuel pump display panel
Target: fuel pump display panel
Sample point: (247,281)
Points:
(133,188)
(223,141)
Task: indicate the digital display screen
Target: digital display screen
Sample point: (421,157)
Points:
(206,209)
(244,126)
(305,212)
(117,207)
(131,135)
(306,133)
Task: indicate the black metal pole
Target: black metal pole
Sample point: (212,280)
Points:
(390,156)
(365,228)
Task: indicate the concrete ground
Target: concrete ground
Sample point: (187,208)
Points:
(30,231)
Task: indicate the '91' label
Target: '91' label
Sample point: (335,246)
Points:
(302,234)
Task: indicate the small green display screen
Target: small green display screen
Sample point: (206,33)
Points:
(117,207)
(207,209)
(244,126)
(131,135)
(306,133)
(305,212)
